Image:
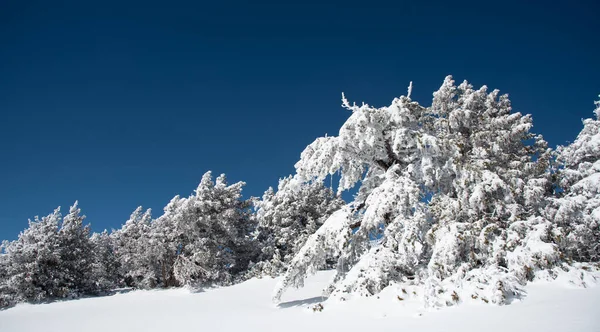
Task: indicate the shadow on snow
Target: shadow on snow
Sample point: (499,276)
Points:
(299,303)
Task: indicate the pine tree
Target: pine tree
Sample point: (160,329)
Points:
(132,242)
(495,198)
(105,268)
(76,255)
(6,293)
(205,238)
(578,210)
(287,218)
(458,190)
(33,263)
(213,226)
(49,260)
(164,242)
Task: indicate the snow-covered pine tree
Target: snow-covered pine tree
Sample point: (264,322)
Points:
(210,233)
(380,148)
(131,248)
(578,210)
(487,205)
(460,189)
(288,217)
(6,296)
(32,262)
(164,242)
(105,267)
(50,259)
(76,256)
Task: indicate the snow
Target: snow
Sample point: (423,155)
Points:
(549,306)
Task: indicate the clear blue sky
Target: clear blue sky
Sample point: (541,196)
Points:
(120,104)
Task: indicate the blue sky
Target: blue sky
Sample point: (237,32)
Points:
(120,104)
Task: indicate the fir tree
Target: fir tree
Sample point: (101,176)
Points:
(76,255)
(131,248)
(33,262)
(208,233)
(460,190)
(105,268)
(288,217)
(578,210)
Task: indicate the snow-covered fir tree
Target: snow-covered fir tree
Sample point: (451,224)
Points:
(286,219)
(488,225)
(76,255)
(33,262)
(50,259)
(460,189)
(164,243)
(578,210)
(105,268)
(208,237)
(5,297)
(131,244)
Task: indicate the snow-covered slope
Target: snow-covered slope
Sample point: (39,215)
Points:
(248,307)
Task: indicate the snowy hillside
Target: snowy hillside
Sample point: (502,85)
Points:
(248,307)
(470,210)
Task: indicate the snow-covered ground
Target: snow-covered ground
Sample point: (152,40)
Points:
(248,307)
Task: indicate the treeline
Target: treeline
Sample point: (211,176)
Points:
(212,237)
(460,200)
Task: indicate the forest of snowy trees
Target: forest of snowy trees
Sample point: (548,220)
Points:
(213,237)
(460,199)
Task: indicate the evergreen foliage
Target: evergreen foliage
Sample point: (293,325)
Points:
(459,199)
(287,217)
(463,190)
